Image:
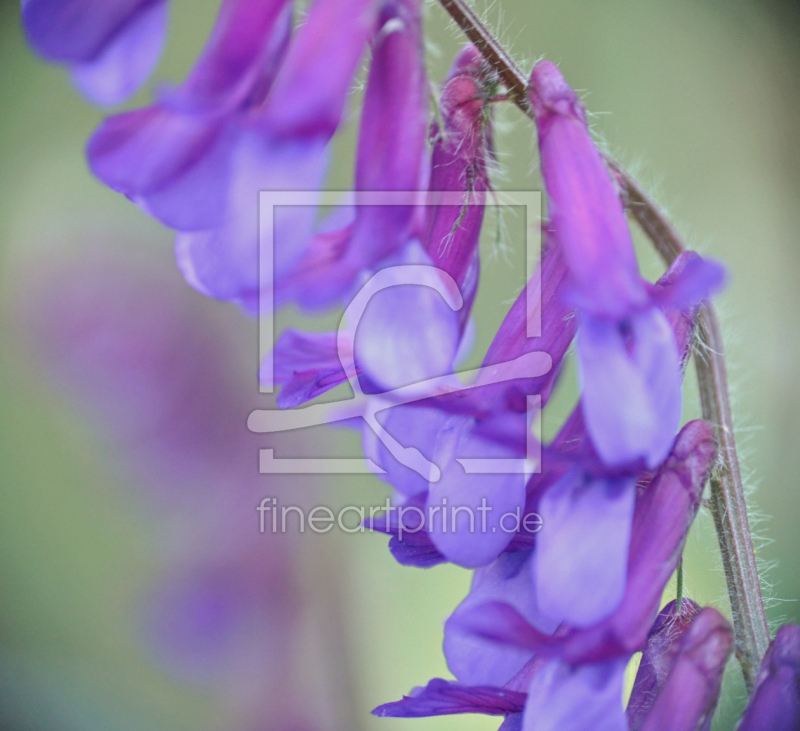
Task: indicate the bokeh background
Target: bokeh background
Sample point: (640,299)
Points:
(112,504)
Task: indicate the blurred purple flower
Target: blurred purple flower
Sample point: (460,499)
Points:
(110,46)
(282,145)
(173,157)
(161,381)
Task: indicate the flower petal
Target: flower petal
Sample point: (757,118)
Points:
(565,698)
(443,697)
(478,661)
(223,262)
(775,704)
(585,212)
(306,364)
(582,550)
(482,511)
(127,59)
(631,401)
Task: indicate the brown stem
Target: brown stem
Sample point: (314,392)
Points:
(727,503)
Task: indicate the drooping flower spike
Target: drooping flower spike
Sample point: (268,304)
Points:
(109,46)
(556,610)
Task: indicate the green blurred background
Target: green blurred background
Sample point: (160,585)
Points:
(700,99)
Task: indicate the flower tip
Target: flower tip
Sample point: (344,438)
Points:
(548,87)
(469,61)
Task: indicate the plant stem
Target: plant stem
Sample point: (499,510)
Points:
(728,504)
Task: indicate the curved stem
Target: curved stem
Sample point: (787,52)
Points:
(728,503)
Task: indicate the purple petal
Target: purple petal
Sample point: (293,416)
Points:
(126,61)
(475,660)
(242,54)
(775,704)
(661,522)
(223,262)
(512,722)
(690,280)
(690,693)
(442,698)
(582,550)
(662,644)
(490,504)
(458,164)
(143,150)
(565,698)
(310,90)
(173,158)
(408,332)
(501,624)
(468,61)
(112,45)
(631,401)
(306,364)
(585,212)
(540,301)
(411,426)
(392,136)
(416,549)
(195,199)
(322,272)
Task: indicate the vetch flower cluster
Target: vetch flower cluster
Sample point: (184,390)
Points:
(554,614)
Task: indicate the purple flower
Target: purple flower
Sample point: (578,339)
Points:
(570,454)
(657,658)
(627,357)
(110,46)
(775,703)
(406,332)
(662,517)
(281,146)
(487,421)
(173,157)
(390,157)
(688,696)
(444,698)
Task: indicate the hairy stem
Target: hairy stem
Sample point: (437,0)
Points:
(727,503)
